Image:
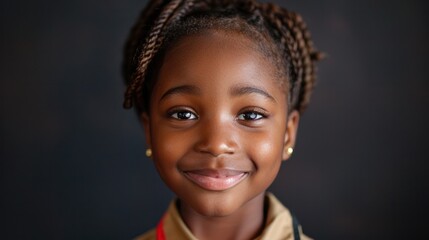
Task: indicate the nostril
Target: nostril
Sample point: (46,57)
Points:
(216,150)
(217,144)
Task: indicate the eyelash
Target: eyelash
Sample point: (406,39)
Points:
(182,115)
(255,114)
(251,115)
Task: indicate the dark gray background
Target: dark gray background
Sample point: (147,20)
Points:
(72,160)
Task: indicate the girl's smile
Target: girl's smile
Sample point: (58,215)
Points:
(216,179)
(218,123)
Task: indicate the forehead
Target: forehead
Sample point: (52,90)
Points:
(221,39)
(219,53)
(216,61)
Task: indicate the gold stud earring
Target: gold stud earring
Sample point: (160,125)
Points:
(148,152)
(290,151)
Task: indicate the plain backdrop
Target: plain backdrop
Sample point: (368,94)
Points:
(72,160)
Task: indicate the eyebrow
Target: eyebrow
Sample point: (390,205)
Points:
(187,89)
(245,90)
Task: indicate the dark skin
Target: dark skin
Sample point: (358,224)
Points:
(219,128)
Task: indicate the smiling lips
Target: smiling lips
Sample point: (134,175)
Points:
(216,179)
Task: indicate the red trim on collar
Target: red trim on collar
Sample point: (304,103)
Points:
(160,235)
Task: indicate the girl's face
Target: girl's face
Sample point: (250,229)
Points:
(218,124)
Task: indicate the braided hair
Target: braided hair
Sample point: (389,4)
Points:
(282,35)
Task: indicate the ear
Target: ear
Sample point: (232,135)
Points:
(290,134)
(145,122)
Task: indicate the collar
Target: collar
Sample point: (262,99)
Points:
(278,224)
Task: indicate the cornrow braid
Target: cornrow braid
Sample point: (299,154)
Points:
(151,46)
(293,34)
(162,22)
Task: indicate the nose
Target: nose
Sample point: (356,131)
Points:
(217,136)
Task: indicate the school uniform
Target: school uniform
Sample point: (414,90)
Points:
(280,225)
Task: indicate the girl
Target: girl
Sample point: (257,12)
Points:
(219,86)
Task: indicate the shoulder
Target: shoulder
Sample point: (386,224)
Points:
(150,235)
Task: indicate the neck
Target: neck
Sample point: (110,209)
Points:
(244,224)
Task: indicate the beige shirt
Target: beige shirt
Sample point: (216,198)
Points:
(277,227)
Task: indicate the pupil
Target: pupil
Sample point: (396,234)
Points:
(251,115)
(184,115)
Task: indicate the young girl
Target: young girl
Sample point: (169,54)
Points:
(220,86)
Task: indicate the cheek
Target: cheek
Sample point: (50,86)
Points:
(268,148)
(265,149)
(169,147)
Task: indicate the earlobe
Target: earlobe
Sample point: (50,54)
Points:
(145,122)
(290,134)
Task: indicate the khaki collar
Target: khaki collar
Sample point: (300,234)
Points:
(278,224)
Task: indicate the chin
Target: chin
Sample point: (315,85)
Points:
(216,210)
(215,206)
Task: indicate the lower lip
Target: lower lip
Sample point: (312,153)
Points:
(215,183)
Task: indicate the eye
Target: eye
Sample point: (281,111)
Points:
(250,116)
(183,115)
